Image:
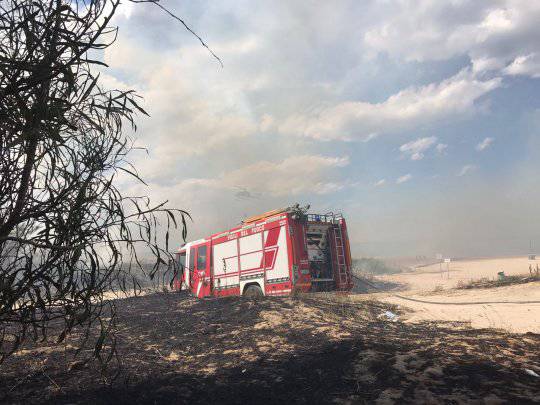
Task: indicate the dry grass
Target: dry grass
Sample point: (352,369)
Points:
(486,282)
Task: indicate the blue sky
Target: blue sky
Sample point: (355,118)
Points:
(418,119)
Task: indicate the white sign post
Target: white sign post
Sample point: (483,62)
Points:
(447,261)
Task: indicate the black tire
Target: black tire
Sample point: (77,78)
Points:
(253,291)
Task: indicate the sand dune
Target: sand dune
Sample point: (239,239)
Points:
(504,312)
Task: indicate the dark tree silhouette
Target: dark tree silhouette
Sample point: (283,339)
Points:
(67,233)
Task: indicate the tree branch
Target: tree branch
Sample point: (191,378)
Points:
(156,2)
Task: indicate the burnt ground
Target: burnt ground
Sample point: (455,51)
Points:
(315,349)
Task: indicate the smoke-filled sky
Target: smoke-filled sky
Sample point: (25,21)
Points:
(419,120)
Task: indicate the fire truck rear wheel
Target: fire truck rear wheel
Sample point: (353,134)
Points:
(253,291)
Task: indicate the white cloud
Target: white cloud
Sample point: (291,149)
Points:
(415,149)
(293,175)
(267,122)
(466,169)
(491,33)
(412,107)
(126,9)
(370,137)
(240,46)
(498,20)
(484,144)
(217,202)
(403,179)
(295,69)
(191,114)
(484,64)
(441,148)
(528,65)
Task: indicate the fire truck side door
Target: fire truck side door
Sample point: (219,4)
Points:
(202,273)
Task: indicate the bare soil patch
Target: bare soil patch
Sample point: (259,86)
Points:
(314,349)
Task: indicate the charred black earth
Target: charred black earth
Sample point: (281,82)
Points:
(310,349)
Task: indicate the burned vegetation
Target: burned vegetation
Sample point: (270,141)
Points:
(310,349)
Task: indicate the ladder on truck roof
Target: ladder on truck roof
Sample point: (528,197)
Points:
(343,275)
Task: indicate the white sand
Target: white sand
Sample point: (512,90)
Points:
(429,284)
(437,276)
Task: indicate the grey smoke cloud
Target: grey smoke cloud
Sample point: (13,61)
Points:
(313,103)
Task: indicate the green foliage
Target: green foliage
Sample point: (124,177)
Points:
(68,235)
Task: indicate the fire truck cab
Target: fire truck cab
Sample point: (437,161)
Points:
(275,253)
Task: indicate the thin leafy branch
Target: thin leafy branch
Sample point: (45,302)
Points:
(68,234)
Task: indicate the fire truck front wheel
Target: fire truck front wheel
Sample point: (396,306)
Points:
(253,291)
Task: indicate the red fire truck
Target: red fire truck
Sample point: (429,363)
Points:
(275,253)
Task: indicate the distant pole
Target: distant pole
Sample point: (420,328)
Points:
(447,261)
